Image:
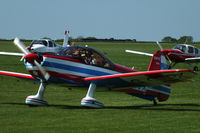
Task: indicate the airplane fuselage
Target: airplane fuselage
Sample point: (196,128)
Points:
(177,55)
(72,69)
(44,46)
(181,52)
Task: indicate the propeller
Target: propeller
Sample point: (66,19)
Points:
(161,48)
(22,47)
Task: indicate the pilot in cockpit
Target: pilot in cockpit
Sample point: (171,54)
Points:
(77,53)
(89,57)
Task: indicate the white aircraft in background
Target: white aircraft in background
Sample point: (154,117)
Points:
(43,46)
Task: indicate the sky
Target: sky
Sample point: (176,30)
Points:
(143,20)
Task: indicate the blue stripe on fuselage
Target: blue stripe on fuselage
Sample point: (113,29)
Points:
(75,68)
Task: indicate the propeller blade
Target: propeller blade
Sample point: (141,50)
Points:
(21,46)
(43,72)
(22,58)
(161,48)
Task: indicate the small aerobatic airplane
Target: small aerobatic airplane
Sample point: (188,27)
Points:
(180,53)
(86,66)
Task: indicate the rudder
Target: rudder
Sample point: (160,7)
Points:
(158,62)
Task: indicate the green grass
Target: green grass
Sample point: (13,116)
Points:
(123,113)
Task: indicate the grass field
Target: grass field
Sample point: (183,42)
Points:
(123,113)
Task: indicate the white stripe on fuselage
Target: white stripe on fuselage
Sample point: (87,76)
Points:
(68,72)
(71,64)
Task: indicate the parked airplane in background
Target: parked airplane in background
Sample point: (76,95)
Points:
(43,46)
(85,66)
(48,45)
(180,53)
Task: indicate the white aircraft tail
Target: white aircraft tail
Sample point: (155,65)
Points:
(66,39)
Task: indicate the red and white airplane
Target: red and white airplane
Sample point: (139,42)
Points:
(86,66)
(180,53)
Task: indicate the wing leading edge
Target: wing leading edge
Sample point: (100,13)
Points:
(11,53)
(150,78)
(193,60)
(18,75)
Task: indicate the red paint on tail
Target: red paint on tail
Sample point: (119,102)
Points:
(158,62)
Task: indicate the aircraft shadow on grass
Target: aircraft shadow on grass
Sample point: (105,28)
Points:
(160,107)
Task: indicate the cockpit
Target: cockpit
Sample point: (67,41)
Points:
(87,56)
(43,46)
(45,42)
(187,49)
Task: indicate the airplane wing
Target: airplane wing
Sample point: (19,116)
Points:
(137,52)
(193,60)
(148,78)
(11,53)
(18,75)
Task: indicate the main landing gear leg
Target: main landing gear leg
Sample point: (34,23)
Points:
(89,101)
(171,65)
(195,68)
(154,102)
(37,99)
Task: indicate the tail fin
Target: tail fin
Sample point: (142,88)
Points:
(66,39)
(158,62)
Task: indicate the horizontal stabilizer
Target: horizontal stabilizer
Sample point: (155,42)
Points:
(18,75)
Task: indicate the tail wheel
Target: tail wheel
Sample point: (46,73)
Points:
(154,102)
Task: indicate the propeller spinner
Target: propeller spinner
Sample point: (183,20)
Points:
(31,58)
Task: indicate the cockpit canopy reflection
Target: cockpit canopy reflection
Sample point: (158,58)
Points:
(88,56)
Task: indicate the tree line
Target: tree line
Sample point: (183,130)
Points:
(182,39)
(167,39)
